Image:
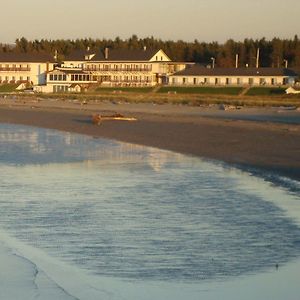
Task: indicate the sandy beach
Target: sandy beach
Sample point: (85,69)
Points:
(230,136)
(204,132)
(190,130)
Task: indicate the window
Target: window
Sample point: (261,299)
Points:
(228,81)
(217,80)
(51,77)
(183,80)
(250,81)
(21,78)
(273,81)
(238,81)
(60,88)
(262,81)
(195,80)
(28,79)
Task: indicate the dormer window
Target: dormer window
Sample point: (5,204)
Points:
(89,56)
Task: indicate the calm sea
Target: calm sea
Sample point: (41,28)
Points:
(141,214)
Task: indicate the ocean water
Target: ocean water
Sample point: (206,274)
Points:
(133,218)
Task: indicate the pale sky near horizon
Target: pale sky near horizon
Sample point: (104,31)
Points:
(204,20)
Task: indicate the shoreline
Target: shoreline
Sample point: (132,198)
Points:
(198,131)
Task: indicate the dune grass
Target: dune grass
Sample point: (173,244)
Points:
(201,90)
(8,88)
(124,89)
(266,91)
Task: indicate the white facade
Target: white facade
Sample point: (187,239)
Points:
(199,76)
(230,80)
(31,72)
(62,80)
(120,70)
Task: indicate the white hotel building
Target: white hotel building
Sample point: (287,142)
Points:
(82,70)
(198,76)
(25,68)
(112,67)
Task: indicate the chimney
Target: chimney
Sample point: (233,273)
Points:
(257,59)
(55,55)
(106,52)
(236,61)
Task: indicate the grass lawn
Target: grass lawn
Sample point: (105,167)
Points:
(201,90)
(124,89)
(8,88)
(266,91)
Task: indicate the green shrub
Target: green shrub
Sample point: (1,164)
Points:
(201,90)
(124,89)
(8,87)
(265,91)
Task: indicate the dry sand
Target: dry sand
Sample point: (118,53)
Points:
(267,146)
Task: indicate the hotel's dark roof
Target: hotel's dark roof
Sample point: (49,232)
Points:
(79,55)
(198,70)
(113,55)
(130,55)
(25,57)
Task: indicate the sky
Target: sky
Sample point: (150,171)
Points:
(204,20)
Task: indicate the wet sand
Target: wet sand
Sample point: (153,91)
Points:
(204,132)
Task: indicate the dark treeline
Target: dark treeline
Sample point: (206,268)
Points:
(273,53)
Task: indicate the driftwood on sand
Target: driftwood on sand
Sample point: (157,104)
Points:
(97,118)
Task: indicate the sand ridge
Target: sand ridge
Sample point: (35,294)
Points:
(202,131)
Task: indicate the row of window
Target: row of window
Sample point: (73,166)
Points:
(14,78)
(88,78)
(53,77)
(157,58)
(14,66)
(131,78)
(83,77)
(60,88)
(118,67)
(250,81)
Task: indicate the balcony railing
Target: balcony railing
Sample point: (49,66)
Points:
(127,81)
(12,69)
(119,69)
